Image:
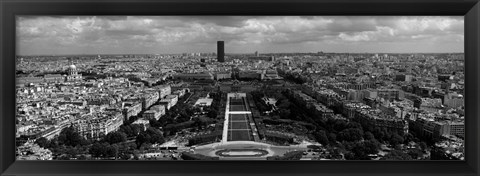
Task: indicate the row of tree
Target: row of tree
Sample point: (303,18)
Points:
(191,156)
(293,155)
(278,138)
(207,138)
(150,136)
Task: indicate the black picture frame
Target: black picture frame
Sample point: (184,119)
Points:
(10,8)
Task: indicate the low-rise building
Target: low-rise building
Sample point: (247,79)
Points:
(169,101)
(204,102)
(131,109)
(164,90)
(151,114)
(223,75)
(98,125)
(193,76)
(143,122)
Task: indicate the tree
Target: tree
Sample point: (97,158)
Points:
(371,146)
(112,150)
(212,113)
(53,143)
(116,137)
(142,138)
(191,156)
(157,139)
(127,129)
(197,122)
(332,137)
(284,113)
(64,157)
(397,155)
(82,157)
(415,153)
(151,135)
(422,145)
(360,152)
(72,152)
(154,123)
(283,104)
(321,137)
(369,136)
(156,136)
(396,139)
(98,149)
(68,136)
(351,134)
(42,142)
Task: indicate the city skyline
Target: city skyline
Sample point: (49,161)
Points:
(65,35)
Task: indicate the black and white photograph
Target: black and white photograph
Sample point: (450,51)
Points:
(240,88)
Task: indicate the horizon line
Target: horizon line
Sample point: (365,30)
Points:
(245,53)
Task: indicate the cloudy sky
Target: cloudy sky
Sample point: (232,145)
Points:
(242,34)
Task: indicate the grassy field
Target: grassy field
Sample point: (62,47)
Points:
(238,125)
(238,117)
(237,108)
(236,101)
(239,135)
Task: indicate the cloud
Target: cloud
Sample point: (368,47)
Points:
(199,33)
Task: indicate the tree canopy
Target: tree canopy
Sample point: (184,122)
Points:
(68,136)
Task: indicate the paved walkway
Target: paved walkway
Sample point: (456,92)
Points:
(226,124)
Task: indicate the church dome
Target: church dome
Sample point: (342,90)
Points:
(73,67)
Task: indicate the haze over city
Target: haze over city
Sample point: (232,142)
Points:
(57,35)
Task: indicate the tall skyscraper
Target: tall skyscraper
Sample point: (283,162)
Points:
(220,51)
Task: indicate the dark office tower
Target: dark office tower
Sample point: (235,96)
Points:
(220,51)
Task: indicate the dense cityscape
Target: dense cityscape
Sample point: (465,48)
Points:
(241,106)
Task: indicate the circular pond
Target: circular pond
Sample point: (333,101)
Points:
(241,152)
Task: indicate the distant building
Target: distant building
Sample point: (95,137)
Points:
(428,104)
(263,58)
(435,130)
(404,78)
(220,51)
(270,74)
(391,94)
(445,77)
(223,75)
(453,100)
(251,75)
(457,129)
(54,78)
(73,74)
(194,76)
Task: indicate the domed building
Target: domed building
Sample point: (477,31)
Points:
(73,74)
